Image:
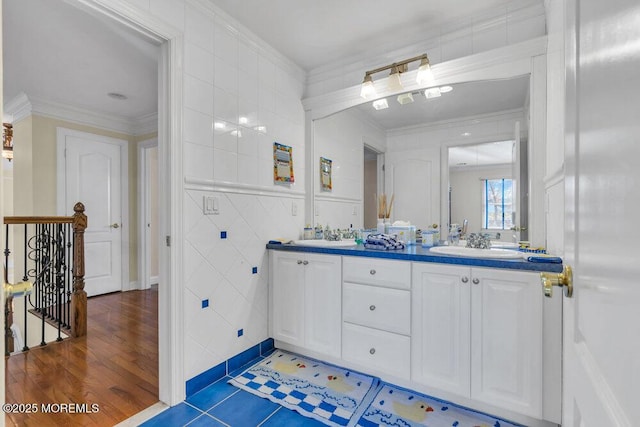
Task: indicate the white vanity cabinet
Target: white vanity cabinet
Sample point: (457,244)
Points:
(305,300)
(376,316)
(477,333)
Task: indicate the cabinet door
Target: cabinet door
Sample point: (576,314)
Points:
(440,327)
(323,304)
(506,331)
(287,297)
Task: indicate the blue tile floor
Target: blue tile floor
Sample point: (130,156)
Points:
(221,404)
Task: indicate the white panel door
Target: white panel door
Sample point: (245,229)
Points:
(506,338)
(602,206)
(440,339)
(322,307)
(412,191)
(93,176)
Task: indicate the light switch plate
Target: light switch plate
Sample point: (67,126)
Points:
(211,205)
(294,209)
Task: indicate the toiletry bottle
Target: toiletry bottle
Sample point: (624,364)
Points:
(319,234)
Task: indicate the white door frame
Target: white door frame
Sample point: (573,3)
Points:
(170,177)
(64,206)
(144,274)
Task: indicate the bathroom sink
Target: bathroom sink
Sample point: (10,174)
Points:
(326,243)
(476,253)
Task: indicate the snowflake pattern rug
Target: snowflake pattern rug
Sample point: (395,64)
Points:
(329,394)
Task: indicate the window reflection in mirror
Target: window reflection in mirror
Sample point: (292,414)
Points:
(485,186)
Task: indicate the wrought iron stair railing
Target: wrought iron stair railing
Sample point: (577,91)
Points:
(49,255)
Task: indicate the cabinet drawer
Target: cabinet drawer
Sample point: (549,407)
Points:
(377,307)
(377,349)
(379,272)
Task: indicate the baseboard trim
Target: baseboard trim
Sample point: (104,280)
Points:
(213,374)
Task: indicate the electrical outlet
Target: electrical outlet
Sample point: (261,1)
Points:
(355,210)
(294,209)
(317,210)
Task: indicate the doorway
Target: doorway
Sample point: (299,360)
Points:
(148,231)
(373,174)
(144,26)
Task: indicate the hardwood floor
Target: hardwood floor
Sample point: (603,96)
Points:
(115,366)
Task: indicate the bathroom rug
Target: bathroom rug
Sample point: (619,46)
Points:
(332,395)
(398,407)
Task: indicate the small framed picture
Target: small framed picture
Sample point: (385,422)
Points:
(325,174)
(282,164)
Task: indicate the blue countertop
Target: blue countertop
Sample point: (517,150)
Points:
(420,254)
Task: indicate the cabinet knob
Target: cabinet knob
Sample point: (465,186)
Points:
(372,351)
(372,307)
(465,279)
(305,262)
(476,281)
(372,272)
(299,261)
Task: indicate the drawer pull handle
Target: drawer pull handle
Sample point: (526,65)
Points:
(299,261)
(476,281)
(305,262)
(465,279)
(372,272)
(372,307)
(372,351)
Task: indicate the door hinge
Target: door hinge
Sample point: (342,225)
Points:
(168,240)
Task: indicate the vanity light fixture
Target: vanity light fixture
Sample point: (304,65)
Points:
(380,104)
(424,76)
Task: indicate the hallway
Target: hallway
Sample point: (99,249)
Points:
(113,370)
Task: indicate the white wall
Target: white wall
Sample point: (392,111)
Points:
(554,172)
(421,146)
(341,138)
(229,74)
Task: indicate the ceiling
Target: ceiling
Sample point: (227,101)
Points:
(55,52)
(316,33)
(59,53)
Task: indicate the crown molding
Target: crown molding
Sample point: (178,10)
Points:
(459,121)
(248,37)
(23,106)
(17,109)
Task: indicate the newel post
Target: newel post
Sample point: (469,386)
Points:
(78,296)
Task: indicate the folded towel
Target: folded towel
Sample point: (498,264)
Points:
(547,259)
(383,242)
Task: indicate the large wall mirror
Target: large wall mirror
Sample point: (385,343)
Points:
(495,97)
(480,125)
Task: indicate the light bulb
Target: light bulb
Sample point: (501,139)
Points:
(380,104)
(368,91)
(425,75)
(393,83)
(433,92)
